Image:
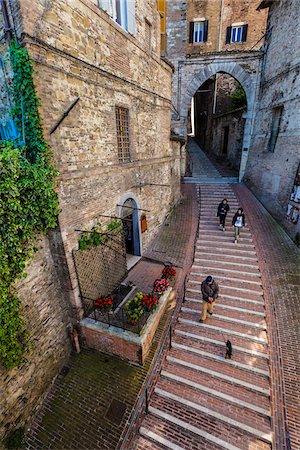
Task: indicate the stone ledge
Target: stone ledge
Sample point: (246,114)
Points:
(125,344)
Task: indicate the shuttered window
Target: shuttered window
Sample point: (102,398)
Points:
(121,11)
(122,118)
(198,32)
(275,128)
(236,33)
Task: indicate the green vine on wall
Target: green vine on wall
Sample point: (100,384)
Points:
(28,204)
(99,234)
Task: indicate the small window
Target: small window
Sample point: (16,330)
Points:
(122,118)
(198,32)
(275,128)
(236,33)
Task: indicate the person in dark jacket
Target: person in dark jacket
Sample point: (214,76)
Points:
(238,223)
(210,290)
(223,209)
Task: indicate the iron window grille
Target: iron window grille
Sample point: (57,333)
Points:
(122,118)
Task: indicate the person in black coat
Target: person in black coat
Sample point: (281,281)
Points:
(210,291)
(238,223)
(223,209)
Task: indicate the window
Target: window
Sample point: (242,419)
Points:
(121,11)
(122,117)
(198,31)
(161,5)
(275,127)
(236,33)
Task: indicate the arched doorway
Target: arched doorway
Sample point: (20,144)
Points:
(130,218)
(219,108)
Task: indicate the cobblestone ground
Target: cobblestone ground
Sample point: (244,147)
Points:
(75,413)
(203,400)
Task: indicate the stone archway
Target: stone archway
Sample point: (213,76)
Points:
(193,73)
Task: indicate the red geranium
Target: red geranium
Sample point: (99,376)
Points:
(168,273)
(160,285)
(149,302)
(104,303)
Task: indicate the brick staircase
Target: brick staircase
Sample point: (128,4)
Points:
(202,400)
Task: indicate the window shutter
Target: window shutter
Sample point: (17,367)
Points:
(228,35)
(205,33)
(131,16)
(191,39)
(244,33)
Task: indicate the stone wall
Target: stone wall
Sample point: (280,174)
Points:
(79,51)
(46,314)
(271,175)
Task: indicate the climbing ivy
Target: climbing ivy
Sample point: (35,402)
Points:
(28,204)
(99,234)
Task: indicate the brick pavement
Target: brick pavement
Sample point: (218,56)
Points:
(74,413)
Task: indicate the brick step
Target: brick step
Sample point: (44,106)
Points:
(228,252)
(216,393)
(208,334)
(206,420)
(214,226)
(225,245)
(226,274)
(144,441)
(176,434)
(228,313)
(202,399)
(229,329)
(252,302)
(227,307)
(218,349)
(221,385)
(226,282)
(221,237)
(230,292)
(228,260)
(179,344)
(238,375)
(226,268)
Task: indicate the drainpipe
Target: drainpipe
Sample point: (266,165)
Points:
(7,27)
(220,27)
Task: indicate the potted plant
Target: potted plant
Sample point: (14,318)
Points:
(168,273)
(104,303)
(135,308)
(149,302)
(160,286)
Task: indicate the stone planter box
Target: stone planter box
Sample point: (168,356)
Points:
(125,344)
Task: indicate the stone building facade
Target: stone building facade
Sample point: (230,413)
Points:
(273,165)
(205,38)
(113,147)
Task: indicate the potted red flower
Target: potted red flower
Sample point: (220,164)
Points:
(104,303)
(168,273)
(160,286)
(149,302)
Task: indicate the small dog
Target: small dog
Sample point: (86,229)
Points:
(228,349)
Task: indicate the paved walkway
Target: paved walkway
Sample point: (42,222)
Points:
(203,400)
(77,412)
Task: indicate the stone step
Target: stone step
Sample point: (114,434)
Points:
(223,238)
(234,285)
(215,340)
(208,180)
(234,252)
(209,355)
(231,293)
(147,440)
(215,393)
(219,267)
(265,435)
(234,277)
(229,316)
(225,245)
(220,373)
(232,263)
(231,308)
(225,330)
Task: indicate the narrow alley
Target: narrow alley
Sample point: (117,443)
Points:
(203,400)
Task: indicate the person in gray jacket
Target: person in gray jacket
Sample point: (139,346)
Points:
(210,291)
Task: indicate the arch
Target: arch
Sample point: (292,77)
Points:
(128,211)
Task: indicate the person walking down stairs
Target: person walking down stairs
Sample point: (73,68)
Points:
(223,209)
(210,290)
(238,223)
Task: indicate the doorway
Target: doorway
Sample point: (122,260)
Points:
(130,220)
